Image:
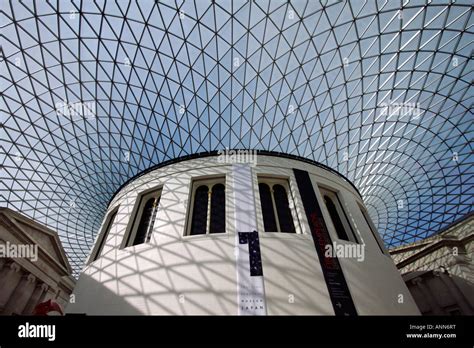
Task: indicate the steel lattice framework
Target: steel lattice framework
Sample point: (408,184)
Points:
(95,92)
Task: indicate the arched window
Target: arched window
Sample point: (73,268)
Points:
(103,235)
(199,221)
(208,207)
(336,220)
(142,226)
(275,204)
(217,209)
(283,209)
(266,201)
(147,221)
(338,216)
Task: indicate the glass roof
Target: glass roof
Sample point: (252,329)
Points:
(95,92)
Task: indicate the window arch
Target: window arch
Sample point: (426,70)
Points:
(199,221)
(266,201)
(338,216)
(217,209)
(144,218)
(208,212)
(275,205)
(103,235)
(147,221)
(336,220)
(283,209)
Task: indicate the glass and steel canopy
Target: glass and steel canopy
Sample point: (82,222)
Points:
(95,92)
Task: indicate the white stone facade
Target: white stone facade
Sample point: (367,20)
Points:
(439,271)
(29,278)
(178,274)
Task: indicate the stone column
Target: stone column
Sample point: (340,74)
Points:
(44,293)
(35,298)
(50,294)
(23,292)
(10,277)
(3,263)
(62,298)
(434,305)
(456,294)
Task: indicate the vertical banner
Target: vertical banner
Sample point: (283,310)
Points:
(250,287)
(336,282)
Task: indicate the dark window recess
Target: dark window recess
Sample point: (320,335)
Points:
(283,209)
(217,209)
(146,222)
(269,221)
(198,223)
(336,220)
(103,238)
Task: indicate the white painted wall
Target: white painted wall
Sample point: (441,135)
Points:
(177,274)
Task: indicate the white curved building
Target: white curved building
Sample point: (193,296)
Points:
(240,233)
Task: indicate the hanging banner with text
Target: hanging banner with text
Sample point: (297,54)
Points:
(251,295)
(250,286)
(337,286)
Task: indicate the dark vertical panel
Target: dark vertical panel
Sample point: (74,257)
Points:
(103,238)
(217,209)
(255,258)
(145,222)
(336,220)
(269,221)
(335,281)
(199,220)
(283,209)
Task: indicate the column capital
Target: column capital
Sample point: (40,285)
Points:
(15,267)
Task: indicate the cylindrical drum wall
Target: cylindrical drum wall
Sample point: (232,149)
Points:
(240,233)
